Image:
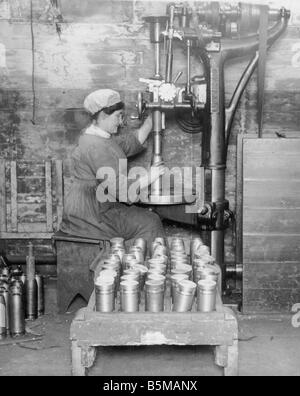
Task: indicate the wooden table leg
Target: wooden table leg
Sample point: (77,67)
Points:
(231,370)
(78,369)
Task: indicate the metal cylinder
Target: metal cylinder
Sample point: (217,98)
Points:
(4,292)
(130,291)
(105,295)
(16,309)
(138,253)
(188,269)
(5,271)
(128,259)
(143,273)
(141,243)
(174,280)
(159,251)
(155,291)
(156,187)
(41,294)
(119,252)
(17,273)
(206,296)
(185,294)
(158,269)
(157,277)
(117,242)
(31,288)
(2,317)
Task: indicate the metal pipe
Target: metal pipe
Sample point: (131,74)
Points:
(231,110)
(242,47)
(169,64)
(188,83)
(157,149)
(157,49)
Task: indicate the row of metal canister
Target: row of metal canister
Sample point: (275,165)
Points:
(155,272)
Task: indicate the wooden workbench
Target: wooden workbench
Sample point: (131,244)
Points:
(92,329)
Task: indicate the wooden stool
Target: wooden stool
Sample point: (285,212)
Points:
(74,256)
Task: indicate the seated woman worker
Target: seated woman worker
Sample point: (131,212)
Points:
(99,148)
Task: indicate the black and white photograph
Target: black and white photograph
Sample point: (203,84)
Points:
(149,191)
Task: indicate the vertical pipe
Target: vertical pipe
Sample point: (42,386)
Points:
(217,162)
(157,149)
(169,65)
(188,83)
(157,49)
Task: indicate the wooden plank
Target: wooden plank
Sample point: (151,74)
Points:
(271,247)
(265,165)
(59,192)
(14,193)
(32,228)
(239,201)
(272,194)
(270,146)
(16,235)
(265,220)
(267,301)
(273,276)
(154,329)
(49,211)
(2,196)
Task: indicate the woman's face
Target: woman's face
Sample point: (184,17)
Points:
(111,123)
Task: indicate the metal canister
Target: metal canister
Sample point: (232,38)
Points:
(113,266)
(17,273)
(177,245)
(5,271)
(212,273)
(182,270)
(4,291)
(31,287)
(105,295)
(16,309)
(128,259)
(160,250)
(206,296)
(119,252)
(155,292)
(143,273)
(41,294)
(141,243)
(138,253)
(202,251)
(196,243)
(157,277)
(2,317)
(185,294)
(158,268)
(155,272)
(174,280)
(117,242)
(130,298)
(158,260)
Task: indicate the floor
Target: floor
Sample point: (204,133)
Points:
(267,346)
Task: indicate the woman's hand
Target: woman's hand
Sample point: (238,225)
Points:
(155,173)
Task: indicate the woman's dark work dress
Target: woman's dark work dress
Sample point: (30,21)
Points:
(86,217)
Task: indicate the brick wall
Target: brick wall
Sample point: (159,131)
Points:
(106,44)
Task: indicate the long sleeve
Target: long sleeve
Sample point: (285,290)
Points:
(130,144)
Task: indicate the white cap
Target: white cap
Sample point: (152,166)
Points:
(101,99)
